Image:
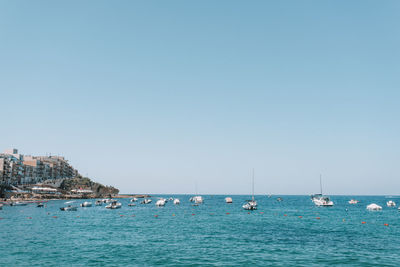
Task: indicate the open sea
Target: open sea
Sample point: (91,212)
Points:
(289,233)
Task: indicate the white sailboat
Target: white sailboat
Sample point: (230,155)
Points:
(251,204)
(319,199)
(196,199)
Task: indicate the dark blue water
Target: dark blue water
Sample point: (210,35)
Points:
(212,234)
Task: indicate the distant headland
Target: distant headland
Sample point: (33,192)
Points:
(45,177)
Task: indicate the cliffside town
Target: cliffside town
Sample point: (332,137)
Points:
(45,177)
(18,169)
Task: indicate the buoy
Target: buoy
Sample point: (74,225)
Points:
(156,216)
(193,214)
(363,222)
(318,218)
(285,215)
(173,214)
(227,213)
(248,213)
(54,216)
(29,217)
(261,212)
(121,215)
(300,217)
(77,216)
(386,224)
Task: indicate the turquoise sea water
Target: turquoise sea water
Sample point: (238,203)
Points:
(212,234)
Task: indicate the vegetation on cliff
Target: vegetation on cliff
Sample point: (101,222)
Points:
(80,182)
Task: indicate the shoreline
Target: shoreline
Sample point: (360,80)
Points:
(66,197)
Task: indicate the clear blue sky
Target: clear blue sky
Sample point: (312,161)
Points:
(152,96)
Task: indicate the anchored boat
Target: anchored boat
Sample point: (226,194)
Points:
(86,204)
(161,202)
(353,201)
(251,204)
(319,199)
(146,201)
(69,208)
(391,203)
(114,205)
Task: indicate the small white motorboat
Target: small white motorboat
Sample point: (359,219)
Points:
(86,204)
(146,201)
(1,206)
(279,199)
(353,201)
(134,199)
(228,200)
(161,202)
(374,206)
(69,208)
(131,204)
(40,205)
(18,203)
(391,203)
(99,203)
(114,205)
(107,200)
(177,201)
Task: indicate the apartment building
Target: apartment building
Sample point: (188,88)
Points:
(16,168)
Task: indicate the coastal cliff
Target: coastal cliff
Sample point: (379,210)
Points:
(85,183)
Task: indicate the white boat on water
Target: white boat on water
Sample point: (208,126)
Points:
(228,200)
(177,201)
(107,200)
(131,204)
(391,203)
(353,201)
(134,199)
(114,205)
(197,199)
(319,199)
(69,208)
(40,205)
(374,206)
(99,203)
(18,203)
(251,204)
(146,201)
(86,204)
(1,206)
(161,202)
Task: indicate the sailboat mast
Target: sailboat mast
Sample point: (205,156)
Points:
(320,182)
(252,197)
